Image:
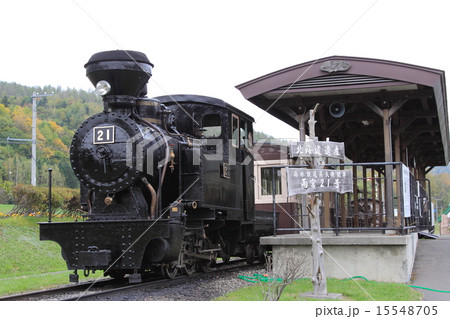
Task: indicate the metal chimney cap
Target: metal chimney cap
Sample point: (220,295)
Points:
(119,55)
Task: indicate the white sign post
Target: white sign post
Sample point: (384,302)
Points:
(313,181)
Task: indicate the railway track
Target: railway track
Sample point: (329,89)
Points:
(53,293)
(105,288)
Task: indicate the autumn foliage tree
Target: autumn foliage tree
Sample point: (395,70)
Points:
(440,188)
(57,118)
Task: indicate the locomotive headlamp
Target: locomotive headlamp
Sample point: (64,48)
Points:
(103,87)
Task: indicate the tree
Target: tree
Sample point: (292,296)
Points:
(440,188)
(293,267)
(58,117)
(5,101)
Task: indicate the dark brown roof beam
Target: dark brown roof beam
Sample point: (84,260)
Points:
(405,124)
(397,105)
(374,108)
(323,123)
(350,140)
(359,117)
(427,152)
(417,131)
(429,140)
(371,96)
(289,111)
(262,102)
(427,157)
(414,127)
(366,130)
(419,114)
(271,108)
(426,107)
(379,109)
(362,149)
(424,160)
(292,121)
(334,127)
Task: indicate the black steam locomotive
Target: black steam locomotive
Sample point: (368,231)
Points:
(166,183)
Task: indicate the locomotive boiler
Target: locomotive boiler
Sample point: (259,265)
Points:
(166,183)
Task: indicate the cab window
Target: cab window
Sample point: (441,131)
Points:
(212,126)
(246,138)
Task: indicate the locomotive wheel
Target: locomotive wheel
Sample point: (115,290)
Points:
(170,271)
(250,253)
(189,268)
(205,265)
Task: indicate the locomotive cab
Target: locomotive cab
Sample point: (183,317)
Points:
(221,168)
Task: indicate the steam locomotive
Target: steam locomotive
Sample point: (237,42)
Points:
(166,182)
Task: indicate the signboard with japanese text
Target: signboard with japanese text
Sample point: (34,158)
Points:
(318,148)
(406,187)
(305,181)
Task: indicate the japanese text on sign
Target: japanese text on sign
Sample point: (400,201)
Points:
(318,148)
(305,181)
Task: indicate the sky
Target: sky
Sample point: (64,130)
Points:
(207,47)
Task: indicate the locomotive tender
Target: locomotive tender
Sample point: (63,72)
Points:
(166,183)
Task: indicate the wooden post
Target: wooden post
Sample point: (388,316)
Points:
(365,211)
(380,197)
(374,199)
(326,210)
(343,205)
(355,222)
(301,199)
(398,168)
(388,169)
(319,278)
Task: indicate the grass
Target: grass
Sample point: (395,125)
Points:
(26,263)
(5,208)
(352,290)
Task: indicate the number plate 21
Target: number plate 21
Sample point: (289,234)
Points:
(103,135)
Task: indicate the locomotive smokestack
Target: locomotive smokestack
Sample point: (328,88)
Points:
(119,72)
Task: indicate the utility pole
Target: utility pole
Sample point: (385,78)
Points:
(36,98)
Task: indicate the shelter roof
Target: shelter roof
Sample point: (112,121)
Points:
(414,95)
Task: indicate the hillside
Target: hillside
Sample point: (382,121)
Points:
(58,117)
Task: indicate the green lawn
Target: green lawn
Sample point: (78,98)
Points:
(26,263)
(357,290)
(5,208)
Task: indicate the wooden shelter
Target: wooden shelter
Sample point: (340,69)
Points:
(384,101)
(383,111)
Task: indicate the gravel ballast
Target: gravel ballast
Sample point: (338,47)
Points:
(196,288)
